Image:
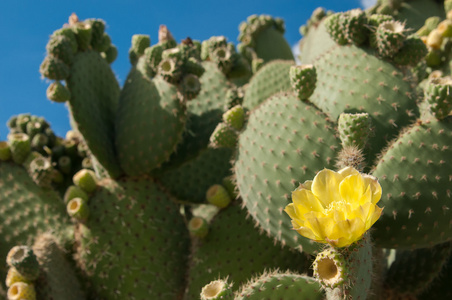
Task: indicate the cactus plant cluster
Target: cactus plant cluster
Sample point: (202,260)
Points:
(174,186)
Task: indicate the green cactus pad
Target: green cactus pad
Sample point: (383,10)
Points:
(415,12)
(353,80)
(26,210)
(150,122)
(234,248)
(265,35)
(271,79)
(145,237)
(413,271)
(190,180)
(58,279)
(415,174)
(285,142)
(204,113)
(440,287)
(275,286)
(94,100)
(412,52)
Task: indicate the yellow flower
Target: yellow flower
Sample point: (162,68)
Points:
(336,207)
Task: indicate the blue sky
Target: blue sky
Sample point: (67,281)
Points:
(26,25)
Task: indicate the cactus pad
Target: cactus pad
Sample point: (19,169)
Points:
(284,143)
(132,244)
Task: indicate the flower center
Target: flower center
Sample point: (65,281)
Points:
(335,205)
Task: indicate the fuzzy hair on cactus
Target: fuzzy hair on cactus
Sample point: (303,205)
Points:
(223,171)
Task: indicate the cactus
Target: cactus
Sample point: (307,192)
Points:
(185,182)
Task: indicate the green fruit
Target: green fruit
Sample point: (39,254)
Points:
(20,146)
(217,195)
(58,92)
(303,79)
(224,136)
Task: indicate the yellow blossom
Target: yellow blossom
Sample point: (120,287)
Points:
(336,207)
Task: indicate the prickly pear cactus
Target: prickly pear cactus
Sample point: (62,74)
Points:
(224,172)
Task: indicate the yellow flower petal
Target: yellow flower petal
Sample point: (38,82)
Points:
(375,186)
(307,184)
(375,216)
(348,171)
(321,226)
(353,212)
(325,186)
(305,201)
(366,211)
(296,221)
(297,224)
(348,231)
(351,188)
(366,197)
(307,232)
(290,210)
(337,215)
